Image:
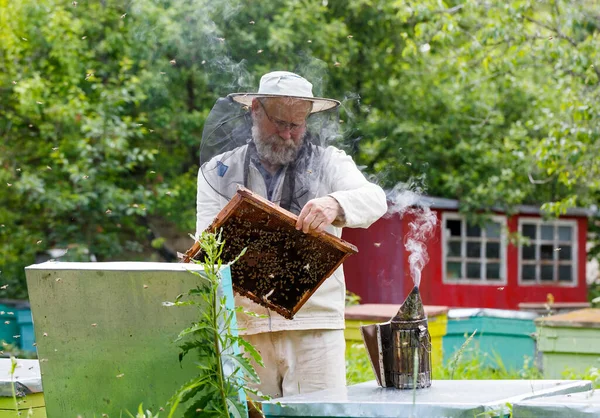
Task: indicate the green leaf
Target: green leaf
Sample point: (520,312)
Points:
(244,364)
(193,329)
(236,409)
(181,393)
(249,349)
(186,348)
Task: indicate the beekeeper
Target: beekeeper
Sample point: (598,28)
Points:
(277,143)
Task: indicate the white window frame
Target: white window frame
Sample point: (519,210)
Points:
(555,244)
(482,280)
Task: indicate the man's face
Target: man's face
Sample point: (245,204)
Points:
(279,128)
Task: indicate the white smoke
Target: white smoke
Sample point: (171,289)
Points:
(420,230)
(407,199)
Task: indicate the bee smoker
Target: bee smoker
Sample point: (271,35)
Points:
(400,349)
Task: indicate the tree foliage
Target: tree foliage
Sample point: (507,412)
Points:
(102,105)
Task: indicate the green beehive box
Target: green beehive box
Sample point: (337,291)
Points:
(105,338)
(569,341)
(503,336)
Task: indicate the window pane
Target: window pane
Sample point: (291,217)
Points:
(565,253)
(565,273)
(529,231)
(474,249)
(492,250)
(528,252)
(473,231)
(473,270)
(492,230)
(453,248)
(547,252)
(453,226)
(547,273)
(492,271)
(453,270)
(548,232)
(565,233)
(528,272)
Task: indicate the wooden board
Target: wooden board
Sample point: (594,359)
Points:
(382,312)
(583,318)
(282,267)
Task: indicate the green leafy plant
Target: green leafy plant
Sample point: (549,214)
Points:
(358,366)
(457,356)
(224,374)
(594,294)
(352,298)
(506,410)
(591,373)
(142,414)
(13,367)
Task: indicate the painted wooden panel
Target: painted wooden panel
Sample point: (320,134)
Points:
(379,272)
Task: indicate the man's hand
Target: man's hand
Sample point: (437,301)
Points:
(318,214)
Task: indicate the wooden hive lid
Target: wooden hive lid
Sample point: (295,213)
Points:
(381,312)
(583,318)
(282,267)
(555,305)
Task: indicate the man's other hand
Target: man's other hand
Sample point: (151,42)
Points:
(318,214)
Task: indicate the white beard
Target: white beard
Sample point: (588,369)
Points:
(274,149)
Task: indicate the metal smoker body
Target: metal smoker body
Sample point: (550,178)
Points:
(400,348)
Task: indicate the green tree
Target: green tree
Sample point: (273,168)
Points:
(102,106)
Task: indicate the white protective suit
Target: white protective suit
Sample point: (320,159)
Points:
(363,203)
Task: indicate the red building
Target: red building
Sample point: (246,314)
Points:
(472,266)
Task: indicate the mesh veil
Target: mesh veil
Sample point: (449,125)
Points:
(227,150)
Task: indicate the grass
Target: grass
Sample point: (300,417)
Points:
(470,366)
(358,366)
(593,374)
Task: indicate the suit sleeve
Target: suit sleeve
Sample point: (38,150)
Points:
(363,202)
(207,204)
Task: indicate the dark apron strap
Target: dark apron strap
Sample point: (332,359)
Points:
(249,151)
(289,184)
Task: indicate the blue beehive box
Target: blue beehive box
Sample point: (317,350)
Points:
(9,329)
(503,337)
(25,324)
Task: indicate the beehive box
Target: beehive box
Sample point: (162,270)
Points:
(543,308)
(572,405)
(445,398)
(569,341)
(9,327)
(25,322)
(282,267)
(372,313)
(105,337)
(503,335)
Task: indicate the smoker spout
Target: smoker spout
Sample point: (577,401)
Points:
(411,309)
